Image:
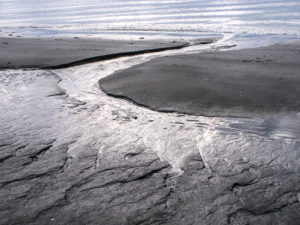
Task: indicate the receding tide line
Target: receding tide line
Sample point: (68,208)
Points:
(113,56)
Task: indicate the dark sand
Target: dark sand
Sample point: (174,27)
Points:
(59,164)
(233,83)
(50,52)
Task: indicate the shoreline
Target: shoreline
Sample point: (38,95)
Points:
(238,83)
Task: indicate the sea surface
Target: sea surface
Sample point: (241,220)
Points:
(251,20)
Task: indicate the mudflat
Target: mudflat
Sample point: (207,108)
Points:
(246,82)
(52,52)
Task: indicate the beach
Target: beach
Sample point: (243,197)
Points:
(141,151)
(146,112)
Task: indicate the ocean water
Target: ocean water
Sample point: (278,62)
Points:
(273,20)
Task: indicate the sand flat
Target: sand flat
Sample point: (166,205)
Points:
(232,83)
(73,155)
(49,52)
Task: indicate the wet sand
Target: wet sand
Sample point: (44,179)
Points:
(51,52)
(73,155)
(240,83)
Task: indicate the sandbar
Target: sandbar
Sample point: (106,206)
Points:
(54,53)
(235,83)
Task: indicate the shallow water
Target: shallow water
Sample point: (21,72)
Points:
(265,21)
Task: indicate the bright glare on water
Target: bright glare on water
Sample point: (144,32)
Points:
(151,18)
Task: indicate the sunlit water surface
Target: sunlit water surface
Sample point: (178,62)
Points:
(263,21)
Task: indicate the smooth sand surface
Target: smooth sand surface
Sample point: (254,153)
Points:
(50,52)
(245,82)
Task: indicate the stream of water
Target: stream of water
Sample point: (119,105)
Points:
(67,105)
